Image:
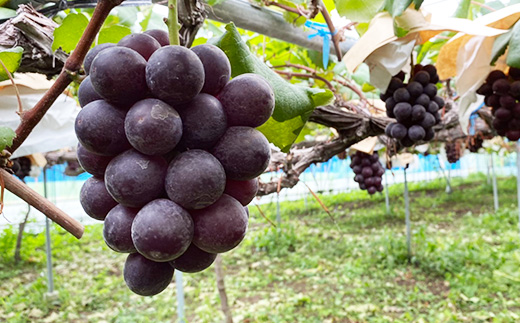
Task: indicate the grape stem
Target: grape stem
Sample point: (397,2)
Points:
(173,23)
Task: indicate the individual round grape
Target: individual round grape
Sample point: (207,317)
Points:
(248,100)
(493,101)
(402,111)
(399,131)
(153,127)
(415,89)
(203,122)
(435,79)
(380,188)
(92,163)
(416,69)
(437,116)
(145,277)
(369,181)
(117,229)
(499,124)
(516,111)
(221,226)
(244,152)
(134,179)
(385,96)
(416,133)
(401,95)
(440,101)
(86,93)
(514,124)
(418,113)
(501,86)
(217,69)
(485,89)
(494,76)
(87,62)
(515,89)
(428,121)
(432,71)
(395,83)
(365,161)
(430,134)
(95,199)
(430,90)
(401,75)
(160,35)
(362,186)
(144,44)
(513,135)
(118,75)
(359,178)
(507,101)
(374,158)
(371,190)
(100,128)
(367,172)
(193,260)
(195,179)
(388,129)
(433,107)
(174,74)
(390,104)
(423,100)
(422,77)
(503,114)
(407,142)
(357,169)
(162,230)
(242,191)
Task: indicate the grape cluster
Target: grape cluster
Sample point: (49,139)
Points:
(474,143)
(368,170)
(502,94)
(171,143)
(453,151)
(21,167)
(415,106)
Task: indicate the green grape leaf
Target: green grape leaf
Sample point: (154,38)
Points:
(417,3)
(6,137)
(11,58)
(6,13)
(462,9)
(67,35)
(294,104)
(358,10)
(113,34)
(152,19)
(397,7)
(513,55)
(127,15)
(500,45)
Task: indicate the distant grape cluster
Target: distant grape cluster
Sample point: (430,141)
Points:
(415,105)
(368,170)
(21,167)
(174,153)
(475,143)
(453,151)
(502,94)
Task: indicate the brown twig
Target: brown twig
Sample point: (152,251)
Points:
(308,14)
(335,36)
(32,117)
(264,216)
(20,106)
(305,75)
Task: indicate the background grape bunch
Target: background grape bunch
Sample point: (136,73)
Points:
(502,94)
(174,153)
(453,151)
(474,143)
(415,105)
(368,170)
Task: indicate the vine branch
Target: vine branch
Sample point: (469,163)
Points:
(173,22)
(335,36)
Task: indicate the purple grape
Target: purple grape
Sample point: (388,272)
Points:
(367,172)
(371,190)
(160,35)
(242,191)
(244,152)
(92,163)
(195,179)
(87,62)
(217,70)
(248,100)
(162,230)
(153,127)
(145,277)
(221,226)
(144,44)
(193,260)
(100,128)
(174,74)
(86,93)
(203,122)
(134,179)
(95,199)
(118,75)
(117,229)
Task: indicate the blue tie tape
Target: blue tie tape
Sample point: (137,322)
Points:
(472,119)
(323,31)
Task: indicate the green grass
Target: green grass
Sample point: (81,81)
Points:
(464,268)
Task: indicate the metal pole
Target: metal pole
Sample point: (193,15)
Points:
(180,297)
(387,198)
(495,188)
(448,181)
(48,251)
(407,217)
(489,170)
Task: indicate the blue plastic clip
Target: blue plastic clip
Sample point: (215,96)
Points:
(323,31)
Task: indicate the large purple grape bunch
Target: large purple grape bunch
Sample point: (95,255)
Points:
(502,94)
(174,153)
(415,106)
(453,151)
(368,170)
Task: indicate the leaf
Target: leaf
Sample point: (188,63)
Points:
(358,10)
(462,9)
(11,58)
(417,4)
(152,20)
(113,34)
(67,35)
(500,46)
(6,137)
(6,13)
(397,7)
(127,15)
(294,104)
(513,55)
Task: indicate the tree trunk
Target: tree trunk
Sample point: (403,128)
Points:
(222,290)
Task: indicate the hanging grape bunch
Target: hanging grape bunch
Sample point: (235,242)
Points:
(174,153)
(368,170)
(415,105)
(453,151)
(474,143)
(502,94)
